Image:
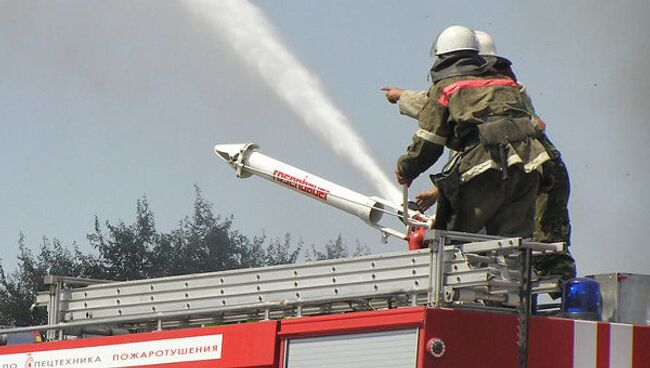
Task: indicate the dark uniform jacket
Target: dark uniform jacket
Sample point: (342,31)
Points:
(483,116)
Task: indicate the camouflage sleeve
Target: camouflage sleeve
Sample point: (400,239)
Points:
(428,141)
(412,102)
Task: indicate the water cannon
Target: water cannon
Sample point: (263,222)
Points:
(247,161)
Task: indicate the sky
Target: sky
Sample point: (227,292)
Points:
(103,102)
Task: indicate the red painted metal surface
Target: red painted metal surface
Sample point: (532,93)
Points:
(602,346)
(243,345)
(472,339)
(392,319)
(416,239)
(550,343)
(641,344)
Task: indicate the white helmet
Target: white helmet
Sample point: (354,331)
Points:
(485,44)
(454,38)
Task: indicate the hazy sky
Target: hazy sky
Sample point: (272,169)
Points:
(102,102)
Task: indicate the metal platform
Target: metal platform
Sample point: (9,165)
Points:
(456,269)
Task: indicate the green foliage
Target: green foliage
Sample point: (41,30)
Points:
(18,291)
(360,250)
(278,252)
(335,249)
(124,251)
(201,242)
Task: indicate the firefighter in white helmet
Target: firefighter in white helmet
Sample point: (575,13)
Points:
(552,222)
(485,44)
(410,103)
(474,110)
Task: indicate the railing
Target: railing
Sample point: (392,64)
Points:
(456,270)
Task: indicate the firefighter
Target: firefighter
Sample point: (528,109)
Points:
(552,222)
(481,114)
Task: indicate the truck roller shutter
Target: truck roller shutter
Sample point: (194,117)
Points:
(389,349)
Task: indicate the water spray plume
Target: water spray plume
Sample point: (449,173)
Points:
(255,40)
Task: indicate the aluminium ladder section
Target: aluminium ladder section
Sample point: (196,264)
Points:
(475,271)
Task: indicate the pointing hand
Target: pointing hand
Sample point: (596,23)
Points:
(392,93)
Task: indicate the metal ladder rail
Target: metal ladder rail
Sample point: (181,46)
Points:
(427,285)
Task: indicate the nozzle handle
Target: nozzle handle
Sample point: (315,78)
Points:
(409,221)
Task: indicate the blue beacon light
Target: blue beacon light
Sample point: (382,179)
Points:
(581,299)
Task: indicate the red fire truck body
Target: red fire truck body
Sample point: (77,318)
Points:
(387,338)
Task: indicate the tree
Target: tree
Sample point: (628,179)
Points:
(336,249)
(278,252)
(124,254)
(5,315)
(201,242)
(252,253)
(166,256)
(21,287)
(204,242)
(360,250)
(209,241)
(333,249)
(18,291)
(55,259)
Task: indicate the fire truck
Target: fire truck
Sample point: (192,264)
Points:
(450,300)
